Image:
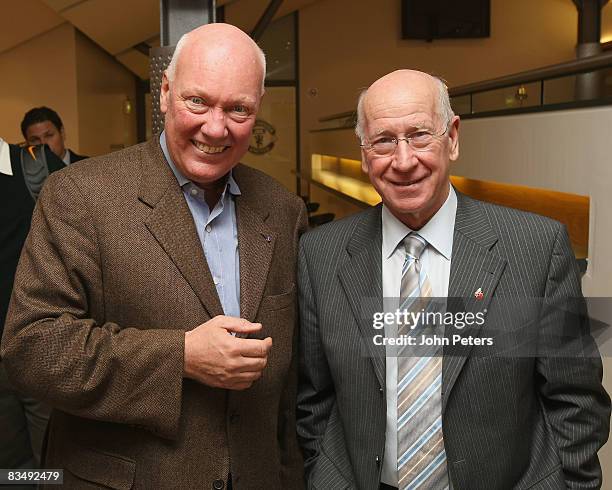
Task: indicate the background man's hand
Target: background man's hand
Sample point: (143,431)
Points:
(216,358)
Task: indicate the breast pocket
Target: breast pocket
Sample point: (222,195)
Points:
(278,301)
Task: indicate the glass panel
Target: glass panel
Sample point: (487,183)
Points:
(586,86)
(461,105)
(517,96)
(278,42)
(559,90)
(607,82)
(273,143)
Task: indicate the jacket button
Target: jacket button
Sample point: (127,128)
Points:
(380,390)
(377,460)
(218,485)
(234,417)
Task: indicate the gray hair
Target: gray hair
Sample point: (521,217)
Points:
(443,107)
(171,70)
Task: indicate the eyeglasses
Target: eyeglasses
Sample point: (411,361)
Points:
(423,140)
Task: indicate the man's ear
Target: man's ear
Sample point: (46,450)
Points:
(453,134)
(364,163)
(63,133)
(164,93)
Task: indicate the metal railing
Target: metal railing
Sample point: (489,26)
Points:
(578,83)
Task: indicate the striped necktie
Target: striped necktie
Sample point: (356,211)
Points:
(420,448)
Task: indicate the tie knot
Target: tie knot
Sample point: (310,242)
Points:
(414,245)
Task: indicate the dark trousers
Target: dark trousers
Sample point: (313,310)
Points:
(23,422)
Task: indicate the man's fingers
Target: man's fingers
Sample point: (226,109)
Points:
(237,325)
(254,347)
(252,364)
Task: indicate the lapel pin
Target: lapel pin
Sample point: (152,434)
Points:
(479,294)
(268,238)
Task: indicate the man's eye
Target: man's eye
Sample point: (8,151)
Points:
(383,141)
(420,135)
(196,100)
(239,109)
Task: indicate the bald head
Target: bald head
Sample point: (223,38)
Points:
(218,43)
(210,96)
(403,86)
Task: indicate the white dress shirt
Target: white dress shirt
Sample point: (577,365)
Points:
(5,158)
(66,158)
(436,260)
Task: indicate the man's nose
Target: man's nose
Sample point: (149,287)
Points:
(214,125)
(405,156)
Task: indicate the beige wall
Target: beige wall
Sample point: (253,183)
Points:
(347,44)
(103,85)
(41,71)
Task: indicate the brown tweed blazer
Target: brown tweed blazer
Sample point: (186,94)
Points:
(111,276)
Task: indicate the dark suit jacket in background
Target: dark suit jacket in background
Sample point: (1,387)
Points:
(111,276)
(76,158)
(514,420)
(16,208)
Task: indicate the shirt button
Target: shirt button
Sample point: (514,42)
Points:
(216,280)
(218,484)
(208,228)
(194,191)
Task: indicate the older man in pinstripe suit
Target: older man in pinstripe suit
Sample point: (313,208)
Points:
(505,402)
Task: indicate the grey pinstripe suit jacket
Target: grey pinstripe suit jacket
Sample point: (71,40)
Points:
(517,420)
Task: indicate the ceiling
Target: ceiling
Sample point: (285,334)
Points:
(122,28)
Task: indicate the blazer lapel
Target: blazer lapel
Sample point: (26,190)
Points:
(361,279)
(171,223)
(474,267)
(256,240)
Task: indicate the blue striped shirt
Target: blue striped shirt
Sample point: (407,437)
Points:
(218,233)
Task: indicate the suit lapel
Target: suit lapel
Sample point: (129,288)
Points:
(361,279)
(474,266)
(256,240)
(171,223)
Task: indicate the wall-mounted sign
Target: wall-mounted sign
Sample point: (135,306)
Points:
(263,137)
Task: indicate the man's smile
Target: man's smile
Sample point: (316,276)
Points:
(407,183)
(207,148)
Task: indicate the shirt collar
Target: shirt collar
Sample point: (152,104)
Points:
(232,185)
(5,158)
(438,231)
(66,157)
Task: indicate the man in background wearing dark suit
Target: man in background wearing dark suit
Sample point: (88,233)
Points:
(23,419)
(43,126)
(154,305)
(526,411)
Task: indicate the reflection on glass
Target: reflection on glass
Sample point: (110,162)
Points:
(514,97)
(278,42)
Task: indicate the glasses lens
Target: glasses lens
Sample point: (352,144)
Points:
(384,147)
(421,140)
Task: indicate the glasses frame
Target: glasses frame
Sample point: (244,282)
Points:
(408,139)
